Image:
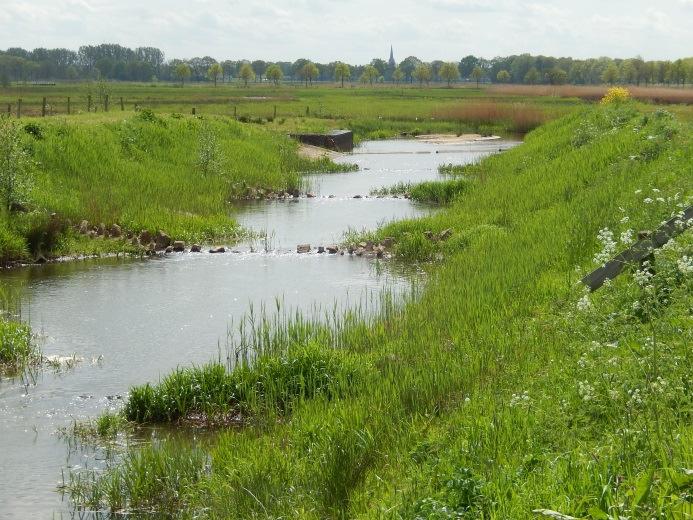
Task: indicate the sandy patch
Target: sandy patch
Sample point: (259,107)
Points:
(315,152)
(455,139)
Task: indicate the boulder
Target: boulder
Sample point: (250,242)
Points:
(387,242)
(429,235)
(92,234)
(321,250)
(379,251)
(145,237)
(445,234)
(101,230)
(369,246)
(331,197)
(169,249)
(360,251)
(179,246)
(358,196)
(303,248)
(116,231)
(195,248)
(162,240)
(310,195)
(134,241)
(333,250)
(84,227)
(216,250)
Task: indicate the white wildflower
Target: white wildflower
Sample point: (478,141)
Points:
(628,237)
(584,303)
(586,391)
(647,200)
(685,264)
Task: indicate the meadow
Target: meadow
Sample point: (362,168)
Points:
(503,390)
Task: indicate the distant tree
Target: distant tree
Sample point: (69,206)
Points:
(380,65)
(610,74)
(408,66)
(557,76)
(370,74)
(397,75)
(274,73)
(342,72)
(423,74)
(309,72)
(449,72)
(183,72)
(246,73)
(214,72)
(229,68)
(532,76)
(467,65)
(259,67)
(477,74)
(503,76)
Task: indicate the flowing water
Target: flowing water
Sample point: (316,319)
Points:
(133,321)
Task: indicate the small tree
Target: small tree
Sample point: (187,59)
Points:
(15,165)
(610,74)
(246,73)
(423,74)
(370,74)
(274,74)
(342,72)
(477,74)
(309,72)
(532,76)
(449,72)
(397,75)
(214,72)
(503,76)
(183,72)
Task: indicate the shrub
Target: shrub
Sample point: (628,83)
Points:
(615,95)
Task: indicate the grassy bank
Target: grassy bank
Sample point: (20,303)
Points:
(503,389)
(142,172)
(17,347)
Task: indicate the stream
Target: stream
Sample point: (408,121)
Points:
(134,321)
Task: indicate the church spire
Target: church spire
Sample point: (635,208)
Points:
(392,61)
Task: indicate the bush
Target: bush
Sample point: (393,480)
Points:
(615,95)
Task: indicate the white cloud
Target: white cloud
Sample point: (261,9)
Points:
(357,30)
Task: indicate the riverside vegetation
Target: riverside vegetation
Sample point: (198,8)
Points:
(503,390)
(141,172)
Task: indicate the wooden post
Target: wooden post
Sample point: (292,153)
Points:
(307,111)
(43,107)
(89,103)
(19,108)
(235,111)
(105,103)
(9,109)
(69,108)
(275,111)
(122,105)
(194,110)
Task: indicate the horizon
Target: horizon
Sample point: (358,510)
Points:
(444,30)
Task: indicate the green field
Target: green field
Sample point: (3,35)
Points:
(502,389)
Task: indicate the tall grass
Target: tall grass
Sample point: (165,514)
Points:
(519,118)
(502,390)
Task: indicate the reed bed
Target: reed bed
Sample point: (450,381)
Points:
(658,95)
(519,117)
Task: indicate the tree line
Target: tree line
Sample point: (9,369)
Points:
(148,64)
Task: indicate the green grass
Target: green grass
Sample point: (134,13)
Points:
(145,172)
(500,389)
(18,350)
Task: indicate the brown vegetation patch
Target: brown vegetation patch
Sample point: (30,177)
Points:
(521,118)
(595,93)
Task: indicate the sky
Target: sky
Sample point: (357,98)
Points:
(356,31)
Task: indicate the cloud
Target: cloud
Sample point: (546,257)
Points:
(357,30)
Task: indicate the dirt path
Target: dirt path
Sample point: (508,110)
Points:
(315,152)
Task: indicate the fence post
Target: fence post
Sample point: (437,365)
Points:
(9,109)
(307,111)
(105,103)
(43,107)
(194,110)
(89,103)
(69,108)
(275,111)
(122,105)
(19,108)
(235,112)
